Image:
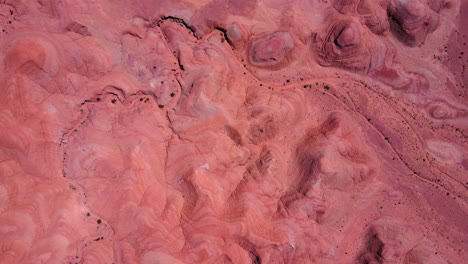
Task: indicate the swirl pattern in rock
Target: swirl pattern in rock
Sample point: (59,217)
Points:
(233,131)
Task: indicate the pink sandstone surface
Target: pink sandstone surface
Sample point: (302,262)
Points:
(217,131)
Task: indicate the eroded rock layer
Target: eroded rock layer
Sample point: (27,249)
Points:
(233,131)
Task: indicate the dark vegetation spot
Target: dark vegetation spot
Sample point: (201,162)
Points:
(172,94)
(114,101)
(98,99)
(88,214)
(99,221)
(326,87)
(11,12)
(160,106)
(141,99)
(288,80)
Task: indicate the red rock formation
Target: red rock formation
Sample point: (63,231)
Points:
(233,131)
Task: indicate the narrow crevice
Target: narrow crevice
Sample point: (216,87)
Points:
(224,32)
(132,34)
(181,66)
(179,21)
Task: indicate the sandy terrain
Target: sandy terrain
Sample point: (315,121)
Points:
(273,131)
